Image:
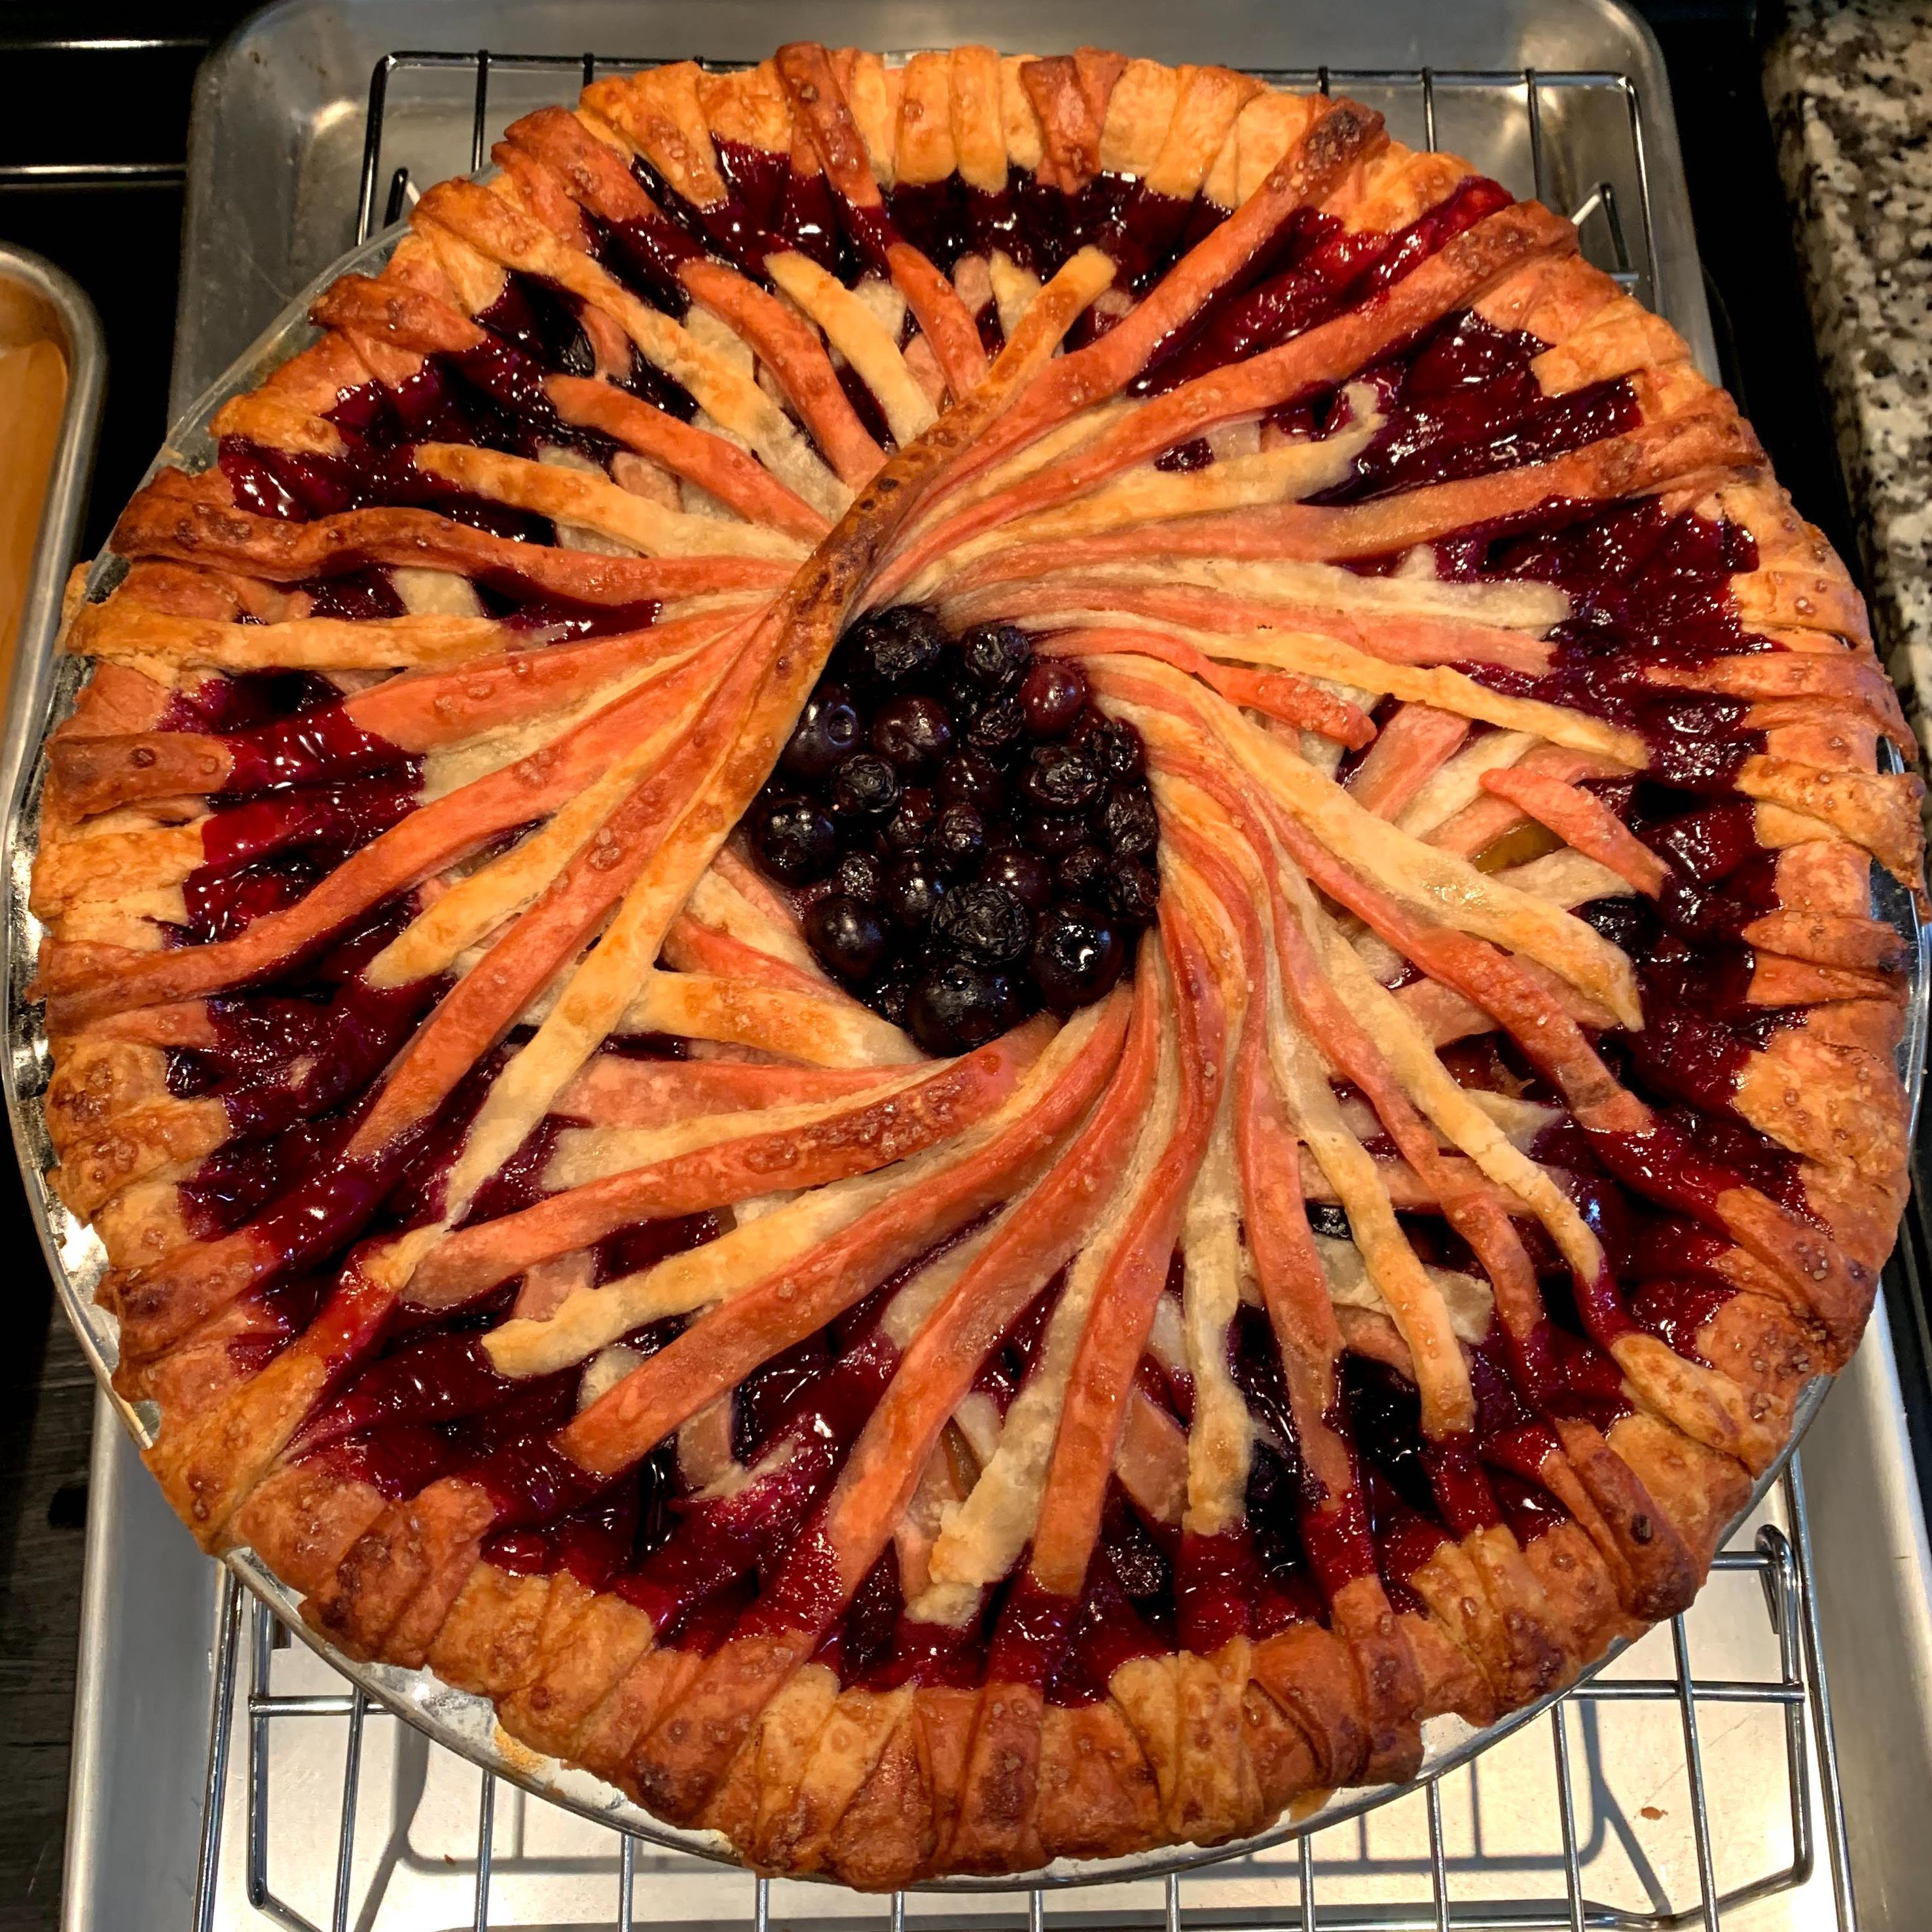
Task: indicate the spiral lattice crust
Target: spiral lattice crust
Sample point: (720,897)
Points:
(975,951)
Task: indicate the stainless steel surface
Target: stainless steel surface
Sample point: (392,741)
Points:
(141,1703)
(1609,1781)
(275,151)
(68,317)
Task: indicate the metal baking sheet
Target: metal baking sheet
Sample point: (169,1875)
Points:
(275,148)
(274,161)
(68,318)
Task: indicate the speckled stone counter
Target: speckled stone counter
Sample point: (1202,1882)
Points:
(1848,86)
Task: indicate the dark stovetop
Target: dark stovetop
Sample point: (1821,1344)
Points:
(94,101)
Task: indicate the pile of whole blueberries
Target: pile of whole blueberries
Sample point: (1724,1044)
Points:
(969,837)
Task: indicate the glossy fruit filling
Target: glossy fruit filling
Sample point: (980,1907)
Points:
(967,839)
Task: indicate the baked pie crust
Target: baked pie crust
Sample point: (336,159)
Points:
(1118,1430)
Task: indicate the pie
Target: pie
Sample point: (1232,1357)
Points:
(976,951)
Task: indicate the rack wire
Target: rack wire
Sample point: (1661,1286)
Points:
(267,1690)
(1433,105)
(297,1744)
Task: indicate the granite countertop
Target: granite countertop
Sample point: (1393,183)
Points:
(1848,84)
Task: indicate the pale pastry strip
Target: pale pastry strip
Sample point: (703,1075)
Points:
(497,891)
(581,1155)
(1315,656)
(1285,474)
(450,767)
(1469,1299)
(980,1540)
(1167,1335)
(591,1317)
(1221,1429)
(1568,878)
(1510,605)
(1459,780)
(1521,1120)
(1415,1304)
(1448,888)
(1439,1098)
(1097,605)
(429,593)
(593,1001)
(720,389)
(132,920)
(718,900)
(834,1030)
(1063,440)
(567,495)
(751,1253)
(1014,289)
(857,334)
(909,1310)
(118,631)
(706,1464)
(1301,1079)
(715,334)
(96,864)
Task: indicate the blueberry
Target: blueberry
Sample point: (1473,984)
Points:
(898,647)
(972,778)
(983,922)
(1058,779)
(912,731)
(1081,875)
(1076,958)
(909,828)
(859,876)
(955,1005)
(889,993)
(1024,874)
(958,840)
(998,729)
(1116,748)
(1133,892)
(847,938)
(865,786)
(827,729)
(1130,820)
(997,655)
(912,891)
(794,840)
(962,699)
(1053,694)
(1054,832)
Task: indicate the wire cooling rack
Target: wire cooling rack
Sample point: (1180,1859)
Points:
(1572,139)
(1689,1784)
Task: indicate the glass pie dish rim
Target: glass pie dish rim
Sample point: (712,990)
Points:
(464,1722)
